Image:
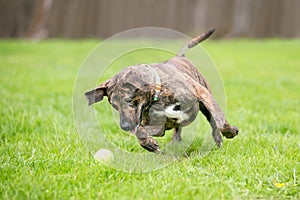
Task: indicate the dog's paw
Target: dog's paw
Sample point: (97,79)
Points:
(149,144)
(217,138)
(229,131)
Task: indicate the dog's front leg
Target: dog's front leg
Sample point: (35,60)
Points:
(146,141)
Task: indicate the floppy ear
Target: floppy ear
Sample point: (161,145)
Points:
(97,94)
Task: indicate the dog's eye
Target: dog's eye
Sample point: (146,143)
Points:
(114,106)
(130,102)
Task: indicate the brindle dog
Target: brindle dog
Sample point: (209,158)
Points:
(152,98)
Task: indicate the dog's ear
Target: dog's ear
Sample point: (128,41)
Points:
(97,94)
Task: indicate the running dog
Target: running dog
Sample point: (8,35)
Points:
(152,98)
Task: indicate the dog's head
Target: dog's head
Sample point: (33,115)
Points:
(129,92)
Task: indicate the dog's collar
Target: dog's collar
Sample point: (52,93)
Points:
(157,86)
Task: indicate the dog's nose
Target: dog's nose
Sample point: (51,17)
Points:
(125,126)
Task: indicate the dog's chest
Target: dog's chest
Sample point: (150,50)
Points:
(173,115)
(172,112)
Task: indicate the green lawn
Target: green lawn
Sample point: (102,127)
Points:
(42,156)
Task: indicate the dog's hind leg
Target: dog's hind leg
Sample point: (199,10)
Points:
(216,116)
(176,135)
(215,131)
(146,141)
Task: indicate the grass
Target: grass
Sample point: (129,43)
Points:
(42,157)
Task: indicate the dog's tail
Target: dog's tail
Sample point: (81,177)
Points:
(194,42)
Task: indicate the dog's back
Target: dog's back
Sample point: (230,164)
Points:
(188,69)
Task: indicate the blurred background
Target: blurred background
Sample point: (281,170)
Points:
(41,19)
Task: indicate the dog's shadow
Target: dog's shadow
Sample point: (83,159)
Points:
(201,147)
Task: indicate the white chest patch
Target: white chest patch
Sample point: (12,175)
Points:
(170,112)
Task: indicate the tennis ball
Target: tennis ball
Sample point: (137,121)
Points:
(104,155)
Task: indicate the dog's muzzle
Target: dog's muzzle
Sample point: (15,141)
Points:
(125,126)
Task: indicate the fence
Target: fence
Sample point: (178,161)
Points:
(102,18)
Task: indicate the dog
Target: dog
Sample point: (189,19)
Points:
(153,98)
